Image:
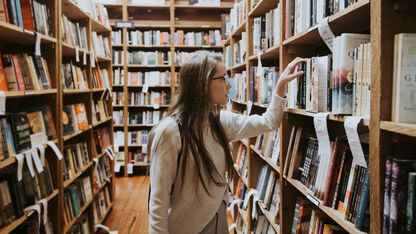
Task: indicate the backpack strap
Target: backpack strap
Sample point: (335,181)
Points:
(177,165)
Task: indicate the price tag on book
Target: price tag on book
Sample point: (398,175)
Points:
(351,125)
(20,160)
(129,169)
(2,103)
(76,54)
(326,33)
(36,208)
(117,167)
(55,149)
(36,159)
(251,193)
(156,106)
(29,163)
(45,210)
(37,44)
(84,58)
(249,106)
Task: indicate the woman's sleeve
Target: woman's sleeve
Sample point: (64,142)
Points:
(164,152)
(238,126)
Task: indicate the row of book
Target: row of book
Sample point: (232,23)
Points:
(82,226)
(152,78)
(266,33)
(76,196)
(76,157)
(240,83)
(23,131)
(139,137)
(95,9)
(101,204)
(73,33)
(227,57)
(73,76)
(144,117)
(240,50)
(207,38)
(399,195)
(137,157)
(32,223)
(269,146)
(262,225)
(301,15)
(118,98)
(30,15)
(20,72)
(237,16)
(262,83)
(16,195)
(335,180)
(100,45)
(100,78)
(102,173)
(74,118)
(241,162)
(116,37)
(99,111)
(101,139)
(148,58)
(118,118)
(148,38)
(118,76)
(182,56)
(152,98)
(268,188)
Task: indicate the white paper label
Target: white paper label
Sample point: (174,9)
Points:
(156,106)
(260,70)
(76,54)
(312,199)
(320,123)
(249,106)
(38,139)
(109,154)
(29,92)
(326,33)
(28,31)
(55,149)
(2,103)
(117,167)
(233,203)
(45,210)
(204,26)
(20,160)
(35,208)
(145,88)
(84,58)
(29,163)
(36,160)
(92,59)
(250,193)
(254,210)
(42,154)
(37,44)
(232,226)
(144,148)
(351,124)
(129,168)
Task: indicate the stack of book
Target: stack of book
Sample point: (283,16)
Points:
(76,196)
(101,139)
(262,86)
(148,58)
(118,118)
(76,157)
(101,204)
(237,15)
(240,50)
(118,76)
(149,98)
(99,111)
(102,173)
(118,98)
(148,38)
(96,10)
(74,77)
(116,38)
(137,157)
(266,30)
(100,45)
(207,38)
(150,78)
(118,57)
(145,117)
(74,34)
(100,78)
(74,118)
(182,56)
(241,162)
(138,138)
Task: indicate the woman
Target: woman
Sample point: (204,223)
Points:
(189,149)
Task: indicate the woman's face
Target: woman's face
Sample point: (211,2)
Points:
(219,86)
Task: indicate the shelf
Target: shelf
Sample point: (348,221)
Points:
(70,136)
(70,50)
(355,18)
(141,86)
(140,125)
(153,24)
(332,117)
(75,219)
(239,175)
(103,59)
(146,6)
(118,106)
(97,90)
(72,11)
(333,214)
(118,65)
(264,106)
(408,129)
(117,86)
(12,33)
(148,66)
(99,27)
(69,181)
(102,121)
(16,223)
(185,4)
(11,160)
(239,29)
(118,45)
(141,164)
(269,216)
(29,93)
(198,47)
(239,67)
(103,186)
(118,126)
(105,216)
(197,25)
(263,7)
(240,102)
(147,106)
(149,46)
(75,91)
(227,42)
(266,159)
(270,54)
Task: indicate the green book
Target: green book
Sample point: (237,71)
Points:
(410,220)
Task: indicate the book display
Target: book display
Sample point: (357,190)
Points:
(55,82)
(147,57)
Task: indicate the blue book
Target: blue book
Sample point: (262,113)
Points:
(363,204)
(18,13)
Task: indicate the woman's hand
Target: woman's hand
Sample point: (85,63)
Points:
(288,74)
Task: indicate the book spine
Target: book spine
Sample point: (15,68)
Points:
(410,220)
(363,201)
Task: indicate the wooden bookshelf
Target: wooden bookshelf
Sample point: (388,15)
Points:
(173,16)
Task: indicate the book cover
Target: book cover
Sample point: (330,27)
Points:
(36,122)
(21,132)
(362,212)
(27,17)
(67,121)
(4,16)
(18,73)
(411,203)
(81,115)
(387,189)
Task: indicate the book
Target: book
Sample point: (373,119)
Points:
(67,121)
(21,132)
(81,116)
(3,80)
(387,190)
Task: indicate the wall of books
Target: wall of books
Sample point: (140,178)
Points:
(349,118)
(56,153)
(146,60)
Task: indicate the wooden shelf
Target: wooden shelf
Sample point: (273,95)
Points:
(166,6)
(263,7)
(333,214)
(117,86)
(268,160)
(118,126)
(70,136)
(99,27)
(408,129)
(141,164)
(237,32)
(103,121)
(103,59)
(75,91)
(337,118)
(240,102)
(147,106)
(72,11)
(355,18)
(116,45)
(198,47)
(16,223)
(70,50)
(75,219)
(269,216)
(118,106)
(140,125)
(185,4)
(227,42)
(71,180)
(239,67)
(149,46)
(30,93)
(103,186)
(148,66)
(270,54)
(110,206)
(12,33)
(141,86)
(197,25)
(97,90)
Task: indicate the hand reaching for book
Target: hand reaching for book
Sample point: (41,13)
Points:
(289,74)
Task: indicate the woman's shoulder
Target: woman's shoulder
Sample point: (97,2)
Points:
(165,131)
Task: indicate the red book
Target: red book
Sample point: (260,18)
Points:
(25,6)
(18,72)
(3,81)
(4,15)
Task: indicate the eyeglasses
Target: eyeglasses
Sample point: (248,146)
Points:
(224,78)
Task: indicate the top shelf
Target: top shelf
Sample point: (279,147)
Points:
(263,7)
(338,118)
(355,18)
(13,33)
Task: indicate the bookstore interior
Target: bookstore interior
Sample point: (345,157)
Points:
(84,84)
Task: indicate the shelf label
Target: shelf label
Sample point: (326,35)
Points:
(204,26)
(324,148)
(29,92)
(42,154)
(117,167)
(253,192)
(76,54)
(84,58)
(232,226)
(2,103)
(109,154)
(29,163)
(19,159)
(254,210)
(326,33)
(129,169)
(28,31)
(38,139)
(144,148)
(156,106)
(249,106)
(36,208)
(351,125)
(145,88)
(124,24)
(55,149)
(45,210)
(37,44)
(36,159)
(233,203)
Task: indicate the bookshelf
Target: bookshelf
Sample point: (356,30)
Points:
(173,16)
(56,51)
(382,20)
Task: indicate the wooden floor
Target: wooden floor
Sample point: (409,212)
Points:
(129,214)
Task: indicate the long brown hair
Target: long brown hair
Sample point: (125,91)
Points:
(191,109)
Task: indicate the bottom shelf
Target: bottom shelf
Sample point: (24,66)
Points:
(104,217)
(75,219)
(269,217)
